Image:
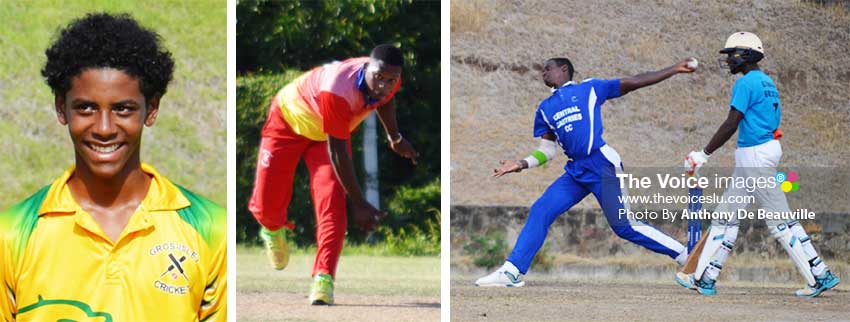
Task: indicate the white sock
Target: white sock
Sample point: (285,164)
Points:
(683,256)
(508,266)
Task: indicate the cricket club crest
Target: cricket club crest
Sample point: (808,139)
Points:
(174,278)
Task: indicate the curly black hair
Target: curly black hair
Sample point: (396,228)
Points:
(102,40)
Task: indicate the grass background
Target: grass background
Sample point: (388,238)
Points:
(370,286)
(187,143)
(498,46)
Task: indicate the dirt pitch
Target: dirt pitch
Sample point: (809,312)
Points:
(367,288)
(554,299)
(280,306)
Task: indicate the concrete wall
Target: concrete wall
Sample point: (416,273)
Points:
(585,233)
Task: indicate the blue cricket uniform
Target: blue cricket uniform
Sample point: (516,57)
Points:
(573,114)
(755,96)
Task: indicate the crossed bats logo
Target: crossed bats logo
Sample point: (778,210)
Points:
(175,264)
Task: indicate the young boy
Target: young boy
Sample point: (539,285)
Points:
(111,238)
(571,118)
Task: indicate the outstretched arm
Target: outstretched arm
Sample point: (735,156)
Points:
(544,153)
(399,145)
(629,84)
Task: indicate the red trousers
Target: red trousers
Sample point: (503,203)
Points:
(279,153)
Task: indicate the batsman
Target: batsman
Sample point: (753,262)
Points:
(754,112)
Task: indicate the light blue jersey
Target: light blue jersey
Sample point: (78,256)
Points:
(755,96)
(573,114)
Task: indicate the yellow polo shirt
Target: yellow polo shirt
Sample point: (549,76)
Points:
(169,263)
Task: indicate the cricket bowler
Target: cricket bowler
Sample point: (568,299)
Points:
(754,111)
(312,118)
(571,118)
(111,239)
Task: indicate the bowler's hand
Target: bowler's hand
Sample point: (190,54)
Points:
(507,166)
(405,149)
(682,66)
(366,216)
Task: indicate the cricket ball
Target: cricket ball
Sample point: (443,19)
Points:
(693,63)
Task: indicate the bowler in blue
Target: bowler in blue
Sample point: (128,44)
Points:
(570,120)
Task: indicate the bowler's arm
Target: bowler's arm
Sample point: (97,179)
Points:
(386,113)
(632,83)
(344,168)
(545,152)
(399,144)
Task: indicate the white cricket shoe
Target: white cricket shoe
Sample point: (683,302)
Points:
(686,280)
(506,276)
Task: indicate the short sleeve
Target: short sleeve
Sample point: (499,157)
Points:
(740,97)
(540,125)
(608,88)
(214,305)
(7,300)
(336,115)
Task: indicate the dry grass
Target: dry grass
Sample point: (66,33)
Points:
(496,86)
(470,16)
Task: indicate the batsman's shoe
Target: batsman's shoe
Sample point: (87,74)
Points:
(686,280)
(706,287)
(276,248)
(824,283)
(505,276)
(322,290)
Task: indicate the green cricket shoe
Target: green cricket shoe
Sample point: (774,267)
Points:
(276,248)
(322,290)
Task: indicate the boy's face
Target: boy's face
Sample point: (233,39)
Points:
(554,75)
(105,112)
(381,78)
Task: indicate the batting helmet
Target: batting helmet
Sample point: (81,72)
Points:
(743,47)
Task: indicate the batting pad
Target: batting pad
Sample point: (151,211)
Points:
(793,245)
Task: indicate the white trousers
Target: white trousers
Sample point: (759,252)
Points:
(758,161)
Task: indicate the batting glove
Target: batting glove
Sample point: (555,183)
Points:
(695,160)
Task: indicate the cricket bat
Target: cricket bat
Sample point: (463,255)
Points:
(696,240)
(694,225)
(693,257)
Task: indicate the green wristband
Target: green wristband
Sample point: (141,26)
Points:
(541,158)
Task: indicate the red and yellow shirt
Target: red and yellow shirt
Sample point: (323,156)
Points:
(328,100)
(169,263)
